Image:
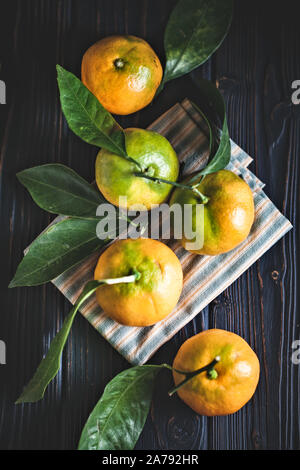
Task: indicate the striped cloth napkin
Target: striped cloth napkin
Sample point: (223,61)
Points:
(205,277)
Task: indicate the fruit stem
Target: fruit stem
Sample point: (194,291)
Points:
(199,182)
(212,374)
(132,160)
(135,276)
(204,199)
(119,63)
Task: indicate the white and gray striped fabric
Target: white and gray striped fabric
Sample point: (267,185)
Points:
(204,277)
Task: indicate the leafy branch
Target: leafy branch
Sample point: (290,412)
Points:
(195,30)
(50,365)
(220,148)
(118,418)
(87,118)
(219,140)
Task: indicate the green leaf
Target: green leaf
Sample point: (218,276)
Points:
(86,117)
(61,246)
(196,28)
(50,365)
(118,419)
(222,153)
(58,189)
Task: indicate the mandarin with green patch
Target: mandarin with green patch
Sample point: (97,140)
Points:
(123,72)
(232,381)
(153,295)
(228,213)
(115,176)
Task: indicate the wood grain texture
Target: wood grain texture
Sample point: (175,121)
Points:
(255,67)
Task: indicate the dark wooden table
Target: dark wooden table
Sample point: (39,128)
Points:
(255,66)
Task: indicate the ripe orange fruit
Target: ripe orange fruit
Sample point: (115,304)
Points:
(236,377)
(123,72)
(150,298)
(115,175)
(228,214)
